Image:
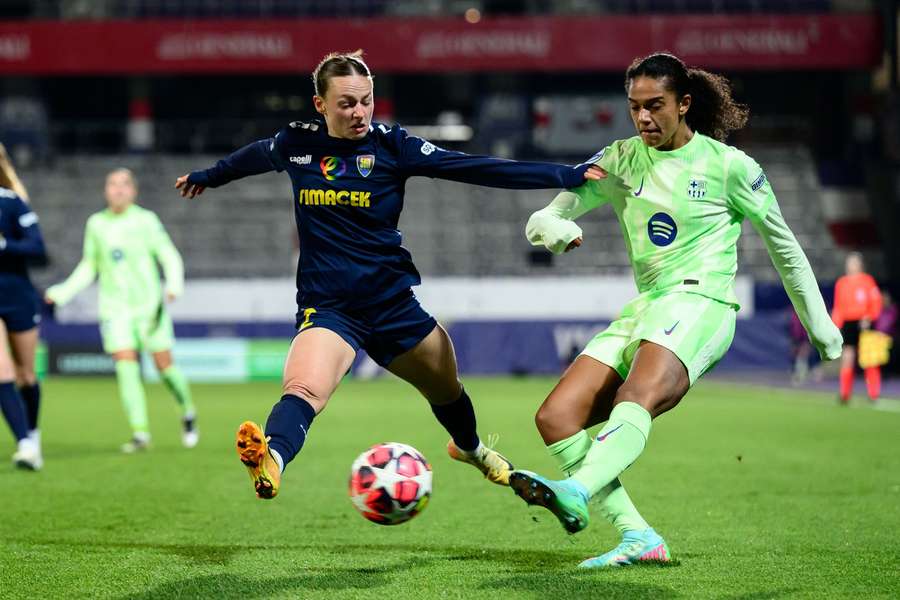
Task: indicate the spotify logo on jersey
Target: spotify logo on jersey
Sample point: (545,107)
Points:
(662,229)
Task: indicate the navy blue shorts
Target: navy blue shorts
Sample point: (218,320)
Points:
(20,312)
(385,330)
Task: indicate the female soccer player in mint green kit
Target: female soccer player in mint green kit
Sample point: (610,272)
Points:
(680,195)
(122,246)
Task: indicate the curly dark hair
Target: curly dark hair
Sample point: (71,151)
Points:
(713,111)
(338,64)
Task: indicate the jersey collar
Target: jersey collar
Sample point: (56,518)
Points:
(685,152)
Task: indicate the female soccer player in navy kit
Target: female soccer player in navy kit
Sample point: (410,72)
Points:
(20,241)
(353,276)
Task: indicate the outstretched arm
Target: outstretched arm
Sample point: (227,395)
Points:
(81,277)
(420,157)
(253,159)
(799,282)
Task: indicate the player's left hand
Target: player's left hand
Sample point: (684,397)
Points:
(170,297)
(594,173)
(188,190)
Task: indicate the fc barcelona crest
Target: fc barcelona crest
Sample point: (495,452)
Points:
(365,163)
(696,188)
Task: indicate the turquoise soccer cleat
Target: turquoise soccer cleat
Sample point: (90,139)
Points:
(567,499)
(636,547)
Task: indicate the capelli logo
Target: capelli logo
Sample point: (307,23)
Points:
(302,160)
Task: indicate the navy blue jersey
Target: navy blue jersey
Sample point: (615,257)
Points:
(348,195)
(20,241)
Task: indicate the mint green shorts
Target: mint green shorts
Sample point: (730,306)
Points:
(153,333)
(697,329)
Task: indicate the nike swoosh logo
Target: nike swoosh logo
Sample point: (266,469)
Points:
(600,438)
(672,328)
(640,189)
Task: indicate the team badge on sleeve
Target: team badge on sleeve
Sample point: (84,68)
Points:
(27,220)
(758,182)
(365,163)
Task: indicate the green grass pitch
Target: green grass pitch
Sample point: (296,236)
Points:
(760,494)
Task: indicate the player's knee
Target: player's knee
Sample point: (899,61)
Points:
(552,423)
(301,389)
(25,375)
(543,419)
(162,362)
(7,372)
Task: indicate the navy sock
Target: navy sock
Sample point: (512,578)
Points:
(458,418)
(13,410)
(31,396)
(288,425)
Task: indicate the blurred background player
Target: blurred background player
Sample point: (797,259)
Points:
(122,245)
(354,278)
(857,304)
(20,242)
(680,195)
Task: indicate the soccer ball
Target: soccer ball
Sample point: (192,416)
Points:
(390,483)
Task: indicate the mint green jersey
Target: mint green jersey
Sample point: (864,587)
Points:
(122,250)
(681,210)
(681,213)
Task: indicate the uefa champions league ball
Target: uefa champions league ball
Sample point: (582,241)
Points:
(390,483)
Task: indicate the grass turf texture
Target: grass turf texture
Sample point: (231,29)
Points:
(759,493)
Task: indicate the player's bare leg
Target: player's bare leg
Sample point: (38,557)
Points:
(23,345)
(582,398)
(315,364)
(431,368)
(655,384)
(27,455)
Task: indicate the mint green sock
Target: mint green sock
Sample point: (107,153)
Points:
(616,506)
(178,385)
(569,452)
(614,503)
(131,391)
(618,445)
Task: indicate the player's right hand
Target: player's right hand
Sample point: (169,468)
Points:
(187,189)
(48,300)
(573,244)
